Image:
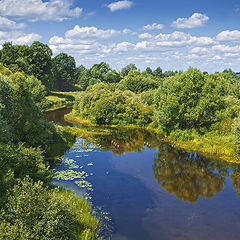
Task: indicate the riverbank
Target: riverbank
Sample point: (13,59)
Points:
(60,100)
(210,144)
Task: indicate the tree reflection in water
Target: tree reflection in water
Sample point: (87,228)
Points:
(188,175)
(235,177)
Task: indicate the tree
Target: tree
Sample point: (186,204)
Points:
(64,71)
(127,69)
(99,70)
(34,60)
(149,70)
(137,82)
(112,77)
(40,63)
(6,96)
(158,72)
(192,100)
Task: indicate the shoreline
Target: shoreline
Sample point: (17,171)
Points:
(204,145)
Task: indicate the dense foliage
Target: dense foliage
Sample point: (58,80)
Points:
(28,208)
(104,104)
(34,212)
(192,100)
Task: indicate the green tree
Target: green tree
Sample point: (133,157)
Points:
(40,63)
(192,100)
(127,69)
(158,72)
(137,82)
(6,96)
(64,71)
(34,60)
(149,70)
(112,77)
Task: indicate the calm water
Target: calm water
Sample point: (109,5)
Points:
(160,193)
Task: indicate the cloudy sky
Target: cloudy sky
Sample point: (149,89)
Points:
(172,34)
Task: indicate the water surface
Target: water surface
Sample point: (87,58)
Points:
(158,193)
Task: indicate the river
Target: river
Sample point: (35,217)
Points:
(151,193)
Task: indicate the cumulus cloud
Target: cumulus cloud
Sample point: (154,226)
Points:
(89,40)
(226,49)
(6,24)
(229,36)
(196,20)
(94,33)
(120,5)
(18,37)
(154,26)
(172,42)
(180,39)
(145,35)
(35,10)
(199,50)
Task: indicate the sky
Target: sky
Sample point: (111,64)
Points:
(171,34)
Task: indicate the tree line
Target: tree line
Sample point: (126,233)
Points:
(60,72)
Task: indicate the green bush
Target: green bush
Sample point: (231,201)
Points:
(236,133)
(184,135)
(34,212)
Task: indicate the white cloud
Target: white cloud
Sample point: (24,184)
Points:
(154,26)
(145,35)
(90,40)
(120,5)
(123,47)
(226,49)
(231,55)
(199,50)
(90,14)
(168,42)
(196,20)
(229,36)
(6,24)
(175,50)
(181,39)
(35,10)
(18,37)
(94,33)
(217,57)
(27,38)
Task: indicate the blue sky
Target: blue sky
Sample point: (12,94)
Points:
(172,34)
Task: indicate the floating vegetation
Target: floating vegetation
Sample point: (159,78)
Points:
(73,166)
(69,175)
(84,184)
(71,163)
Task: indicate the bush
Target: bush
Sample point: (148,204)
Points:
(184,135)
(236,133)
(34,212)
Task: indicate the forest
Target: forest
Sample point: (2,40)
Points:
(199,110)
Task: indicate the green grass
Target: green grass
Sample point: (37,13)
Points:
(57,100)
(88,223)
(211,145)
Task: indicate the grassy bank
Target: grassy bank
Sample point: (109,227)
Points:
(58,100)
(219,146)
(77,119)
(210,144)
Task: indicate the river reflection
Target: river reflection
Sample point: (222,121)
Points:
(157,193)
(188,175)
